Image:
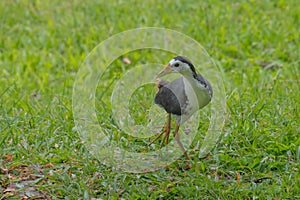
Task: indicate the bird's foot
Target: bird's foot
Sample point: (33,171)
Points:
(166,131)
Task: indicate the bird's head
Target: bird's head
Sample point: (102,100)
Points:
(179,64)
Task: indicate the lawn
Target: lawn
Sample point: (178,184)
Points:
(44,43)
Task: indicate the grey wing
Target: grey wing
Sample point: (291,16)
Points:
(172,97)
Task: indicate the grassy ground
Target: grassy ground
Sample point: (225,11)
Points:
(42,44)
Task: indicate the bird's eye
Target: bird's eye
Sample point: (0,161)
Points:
(176,65)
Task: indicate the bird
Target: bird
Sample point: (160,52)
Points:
(182,97)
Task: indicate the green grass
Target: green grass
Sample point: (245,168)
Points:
(43,43)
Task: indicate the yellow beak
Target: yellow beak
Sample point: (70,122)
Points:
(167,70)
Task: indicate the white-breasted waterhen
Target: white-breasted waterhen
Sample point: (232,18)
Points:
(182,97)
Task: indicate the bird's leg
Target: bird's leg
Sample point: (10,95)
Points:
(166,129)
(176,135)
(156,138)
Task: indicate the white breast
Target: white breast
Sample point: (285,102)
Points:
(197,97)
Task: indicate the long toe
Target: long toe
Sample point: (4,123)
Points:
(157,137)
(166,136)
(166,130)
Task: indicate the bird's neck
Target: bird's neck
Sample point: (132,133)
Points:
(190,76)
